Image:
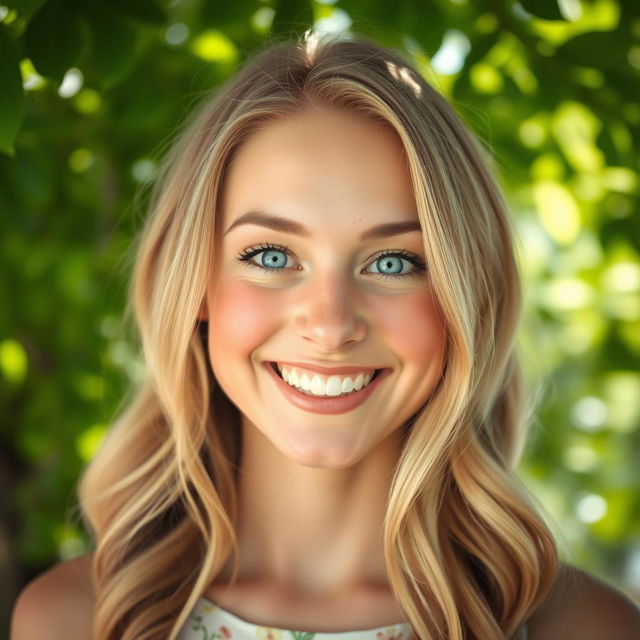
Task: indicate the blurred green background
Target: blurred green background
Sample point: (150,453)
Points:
(90,92)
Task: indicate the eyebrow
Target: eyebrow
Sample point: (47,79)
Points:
(286,225)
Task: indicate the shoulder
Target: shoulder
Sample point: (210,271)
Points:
(56,604)
(583,607)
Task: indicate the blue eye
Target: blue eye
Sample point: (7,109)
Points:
(271,259)
(274,258)
(392,262)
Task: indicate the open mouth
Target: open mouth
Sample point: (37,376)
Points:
(275,368)
(317,401)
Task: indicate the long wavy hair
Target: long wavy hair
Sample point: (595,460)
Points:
(467,553)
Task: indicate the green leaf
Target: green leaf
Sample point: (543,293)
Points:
(26,8)
(142,10)
(55,39)
(14,361)
(11,92)
(429,31)
(113,46)
(545,9)
(612,50)
(292,18)
(223,13)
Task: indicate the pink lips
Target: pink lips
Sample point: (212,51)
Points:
(326,405)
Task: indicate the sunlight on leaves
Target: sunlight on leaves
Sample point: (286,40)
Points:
(89,441)
(621,390)
(214,46)
(558,211)
(576,129)
(13,361)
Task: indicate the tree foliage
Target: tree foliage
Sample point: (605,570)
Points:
(90,92)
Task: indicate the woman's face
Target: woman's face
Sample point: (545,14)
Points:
(313,289)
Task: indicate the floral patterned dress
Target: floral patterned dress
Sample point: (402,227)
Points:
(208,621)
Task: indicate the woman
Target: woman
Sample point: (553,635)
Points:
(328,299)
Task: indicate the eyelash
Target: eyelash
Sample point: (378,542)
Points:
(245,258)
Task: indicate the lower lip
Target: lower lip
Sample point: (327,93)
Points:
(326,404)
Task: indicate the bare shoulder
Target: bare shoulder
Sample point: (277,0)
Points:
(56,604)
(584,607)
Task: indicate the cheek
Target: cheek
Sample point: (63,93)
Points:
(413,326)
(241,317)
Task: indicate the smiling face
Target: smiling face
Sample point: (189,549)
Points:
(316,290)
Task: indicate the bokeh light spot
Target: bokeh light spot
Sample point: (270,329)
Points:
(176,34)
(31,79)
(88,101)
(214,46)
(486,23)
(589,414)
(558,211)
(13,361)
(580,458)
(263,18)
(143,170)
(89,441)
(450,57)
(338,21)
(485,78)
(532,133)
(591,508)
(71,83)
(80,160)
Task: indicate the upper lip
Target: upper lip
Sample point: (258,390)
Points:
(326,370)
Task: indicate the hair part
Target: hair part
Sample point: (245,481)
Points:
(466,552)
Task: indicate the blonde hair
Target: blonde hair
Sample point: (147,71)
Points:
(466,553)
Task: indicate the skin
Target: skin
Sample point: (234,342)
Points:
(313,488)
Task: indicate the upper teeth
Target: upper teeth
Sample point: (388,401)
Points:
(319,385)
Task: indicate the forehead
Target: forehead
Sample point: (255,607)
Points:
(323,166)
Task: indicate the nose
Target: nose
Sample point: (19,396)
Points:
(329,314)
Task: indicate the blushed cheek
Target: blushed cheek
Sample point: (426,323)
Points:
(413,328)
(241,318)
